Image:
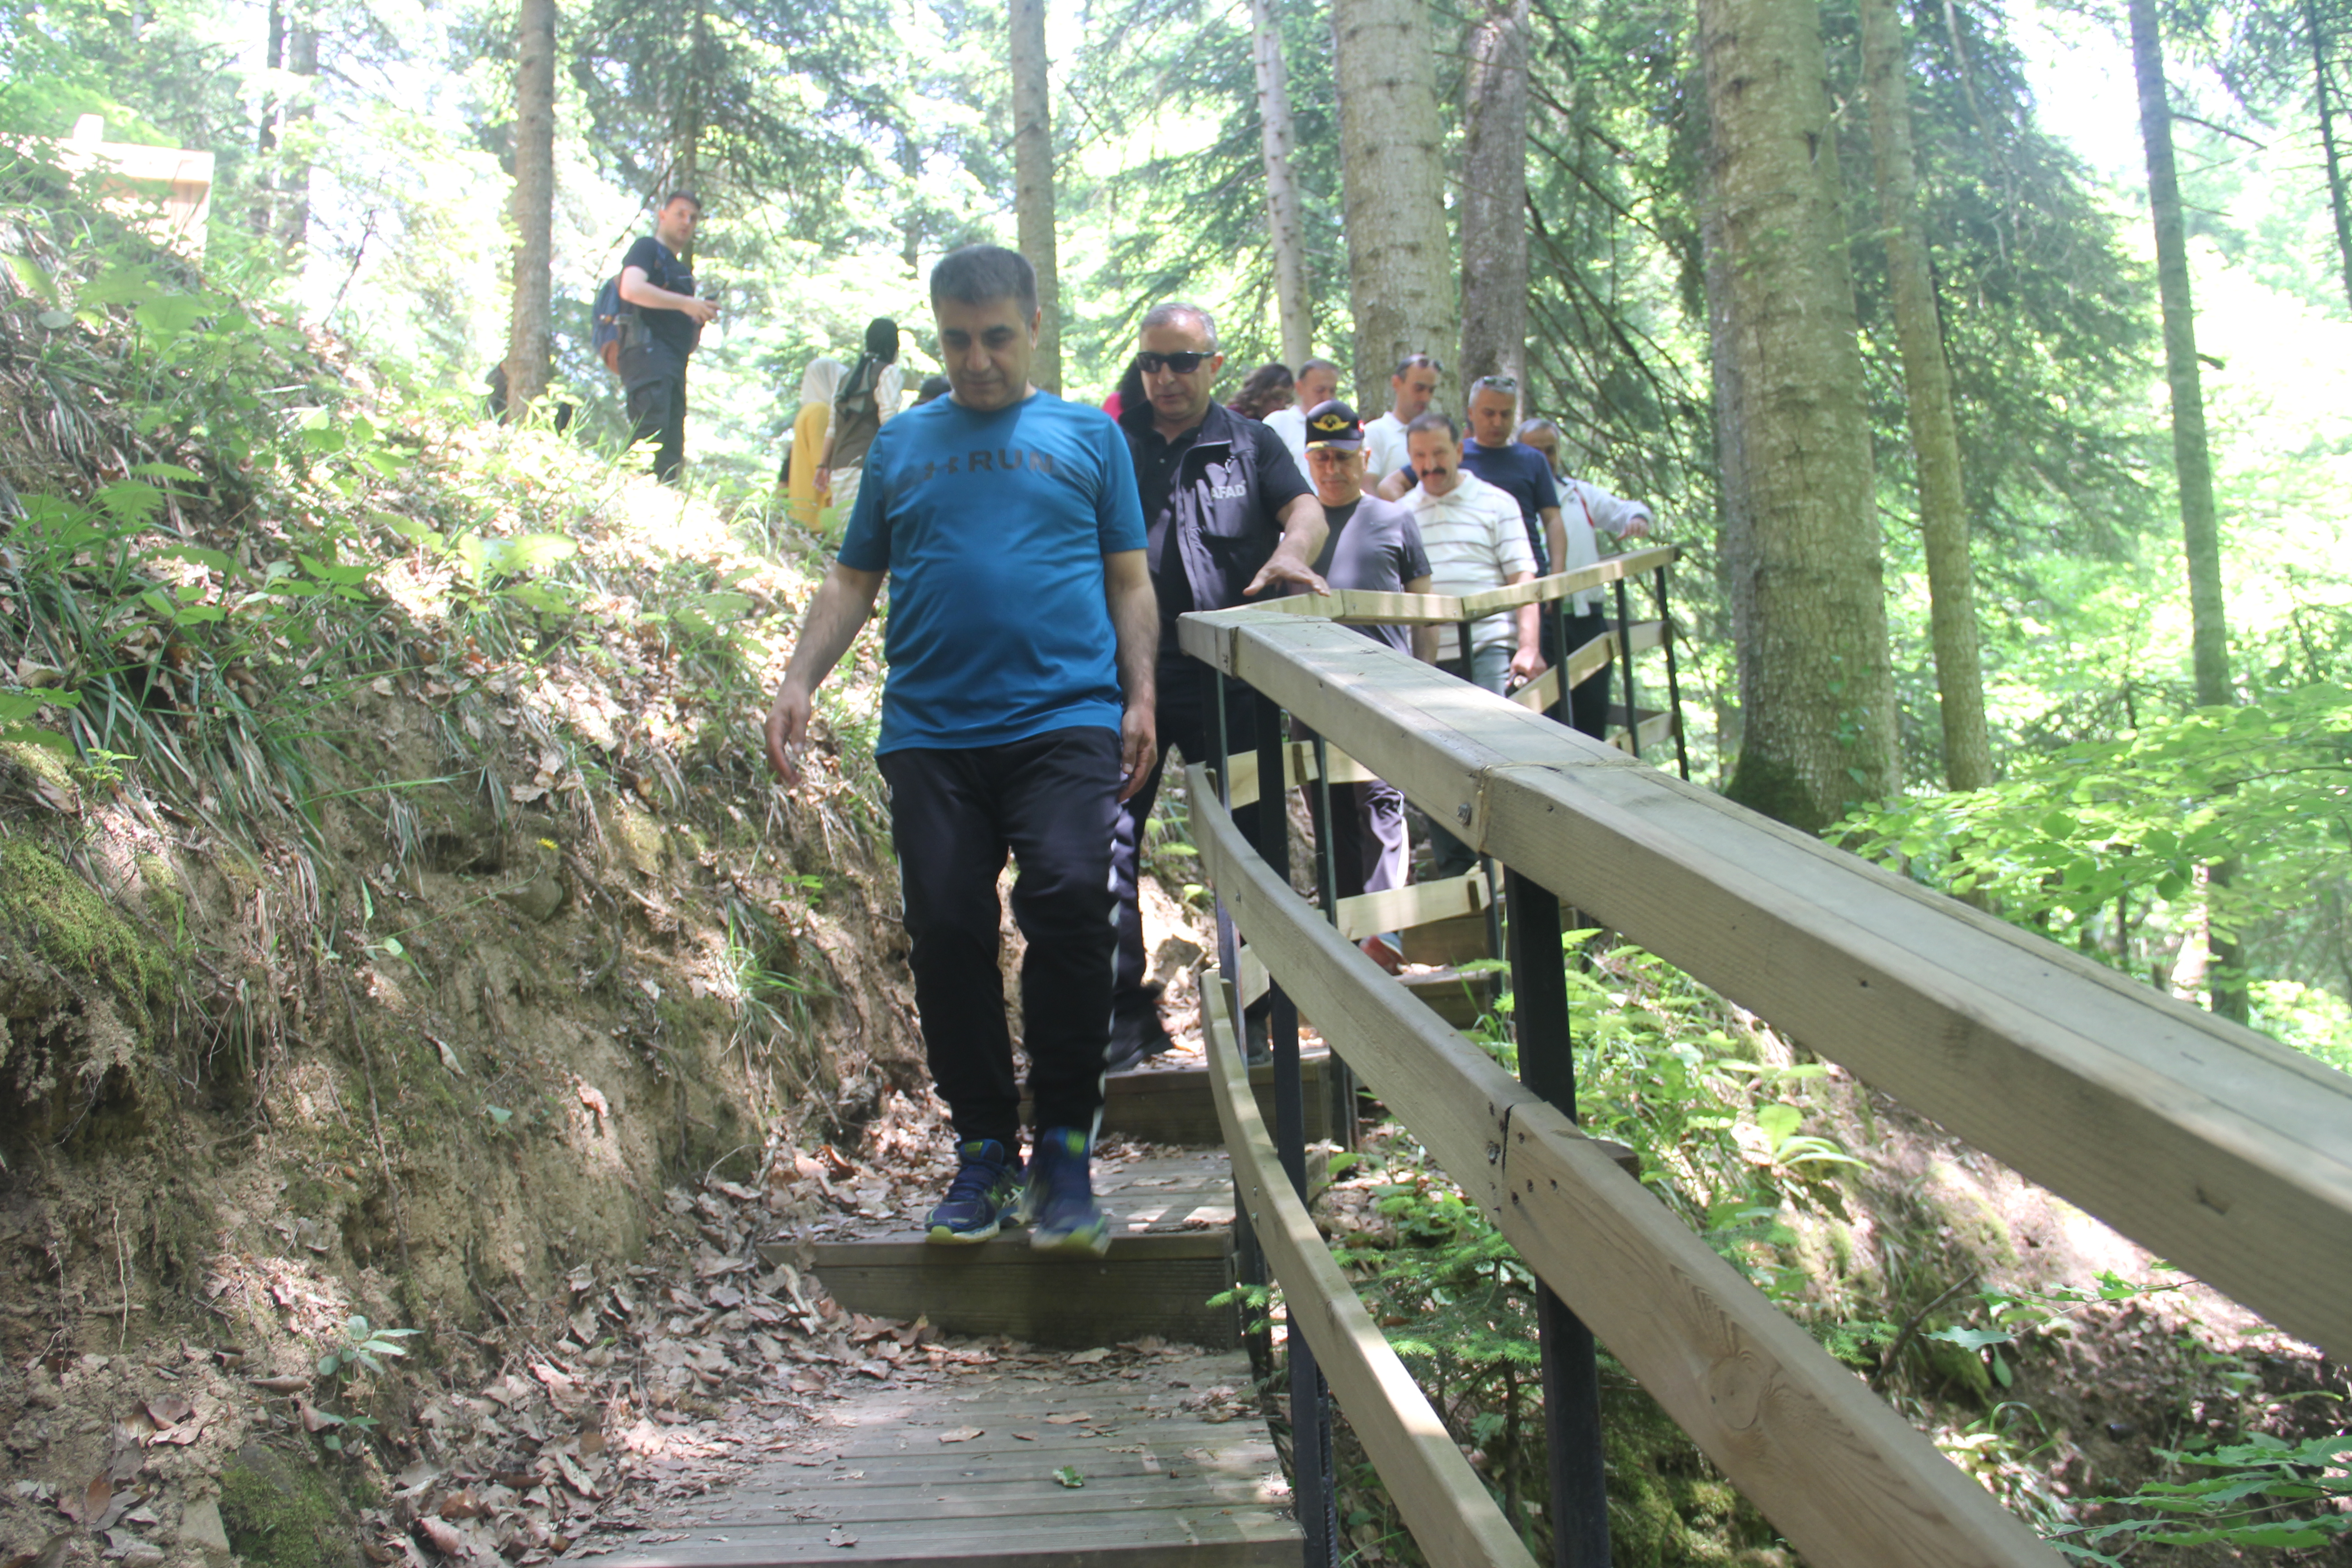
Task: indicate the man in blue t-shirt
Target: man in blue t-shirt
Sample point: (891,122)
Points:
(1017,714)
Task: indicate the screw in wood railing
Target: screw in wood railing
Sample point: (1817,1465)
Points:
(1571,1379)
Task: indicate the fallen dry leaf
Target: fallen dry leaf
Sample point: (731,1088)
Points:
(462,1505)
(439,1536)
(168,1409)
(282,1384)
(959,1435)
(1070,1418)
(1089,1358)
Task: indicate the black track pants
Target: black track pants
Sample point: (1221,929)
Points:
(1049,800)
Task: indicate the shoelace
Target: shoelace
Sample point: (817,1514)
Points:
(972,1180)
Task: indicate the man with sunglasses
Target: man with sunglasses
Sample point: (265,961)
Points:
(1227,516)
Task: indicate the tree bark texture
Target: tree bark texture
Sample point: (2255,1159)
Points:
(529,329)
(1033,174)
(1736,523)
(1817,689)
(2192,457)
(1400,258)
(1495,192)
(302,59)
(1285,217)
(2322,81)
(266,140)
(1928,384)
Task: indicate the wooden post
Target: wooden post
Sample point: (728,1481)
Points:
(1571,1377)
(1310,1416)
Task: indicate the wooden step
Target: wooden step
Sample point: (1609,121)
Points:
(1170,1251)
(1167,1099)
(1171,1479)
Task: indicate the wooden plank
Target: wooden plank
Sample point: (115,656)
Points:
(1448,942)
(1359,606)
(1298,768)
(1165,1102)
(2204,1142)
(1151,1285)
(1422,903)
(1460,999)
(1453,1520)
(1585,662)
(1836,1470)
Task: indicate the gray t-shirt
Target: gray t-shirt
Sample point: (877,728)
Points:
(1373,545)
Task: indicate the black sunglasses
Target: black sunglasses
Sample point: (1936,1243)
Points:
(1183,364)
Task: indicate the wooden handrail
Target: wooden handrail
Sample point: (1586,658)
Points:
(1833,1468)
(1453,1519)
(2208,1143)
(1363,606)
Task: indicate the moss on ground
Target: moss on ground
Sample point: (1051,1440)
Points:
(1668,1508)
(71,927)
(282,1513)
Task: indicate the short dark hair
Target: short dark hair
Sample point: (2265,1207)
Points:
(1317,365)
(1411,360)
(682,196)
(1433,420)
(882,339)
(977,274)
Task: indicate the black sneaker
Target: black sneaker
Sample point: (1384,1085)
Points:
(1136,1034)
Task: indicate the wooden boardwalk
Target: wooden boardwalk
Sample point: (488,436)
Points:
(979,1472)
(1119,1429)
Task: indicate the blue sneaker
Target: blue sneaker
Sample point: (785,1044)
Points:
(986,1188)
(1059,1203)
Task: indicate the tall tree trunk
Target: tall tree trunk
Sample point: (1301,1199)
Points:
(529,330)
(1494,194)
(2321,76)
(1033,178)
(1817,688)
(1285,222)
(2192,457)
(1400,261)
(910,223)
(302,59)
(1928,380)
(1736,523)
(686,135)
(266,142)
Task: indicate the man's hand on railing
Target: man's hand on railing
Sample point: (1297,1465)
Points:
(1286,566)
(1527,664)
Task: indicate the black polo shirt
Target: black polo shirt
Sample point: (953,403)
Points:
(1160,471)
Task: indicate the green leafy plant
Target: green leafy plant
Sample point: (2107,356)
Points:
(2264,1493)
(363,1345)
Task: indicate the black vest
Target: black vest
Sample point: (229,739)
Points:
(1219,533)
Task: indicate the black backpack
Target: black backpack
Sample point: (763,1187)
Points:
(605,335)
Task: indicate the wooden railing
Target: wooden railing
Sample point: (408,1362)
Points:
(2215,1148)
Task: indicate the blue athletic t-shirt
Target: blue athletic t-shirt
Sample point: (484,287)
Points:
(994,528)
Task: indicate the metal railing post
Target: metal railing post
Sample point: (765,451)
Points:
(1571,1378)
(1673,681)
(1249,1258)
(1625,654)
(1562,713)
(1339,1084)
(1311,1414)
